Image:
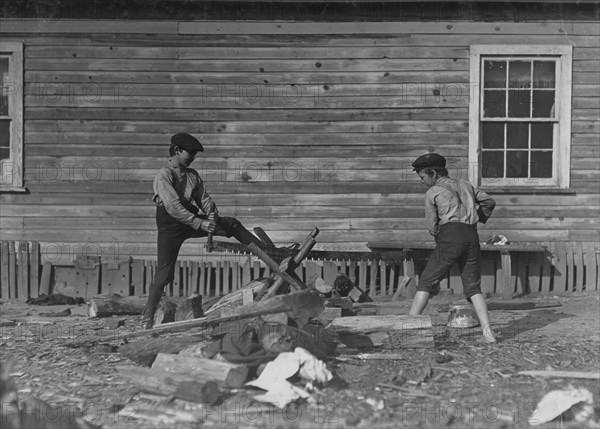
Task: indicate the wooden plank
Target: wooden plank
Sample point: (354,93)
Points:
(86,27)
(226,278)
(256,270)
(392,331)
(252,66)
(506,284)
(546,271)
(362,274)
(115,278)
(559,253)
(352,267)
(579,265)
(570,267)
(534,269)
(330,271)
(46,278)
(374,269)
(246,272)
(589,375)
(447,28)
(591,273)
(23,270)
(195,278)
(202,275)
(521,263)
(409,271)
(383,290)
(218,279)
(5,271)
(34,269)
(137,277)
(392,279)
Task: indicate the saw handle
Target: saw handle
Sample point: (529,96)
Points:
(211,217)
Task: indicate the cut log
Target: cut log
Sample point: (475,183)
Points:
(166,383)
(165,313)
(191,308)
(392,332)
(144,352)
(231,375)
(300,306)
(236,298)
(115,305)
(592,375)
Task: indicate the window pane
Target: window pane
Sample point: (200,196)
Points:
(542,135)
(494,74)
(492,164)
(5,139)
(541,164)
(492,135)
(494,104)
(516,163)
(543,74)
(517,135)
(543,104)
(518,103)
(519,74)
(5,86)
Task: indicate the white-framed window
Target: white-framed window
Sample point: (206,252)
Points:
(520,116)
(11,117)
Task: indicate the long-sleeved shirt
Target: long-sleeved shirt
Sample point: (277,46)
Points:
(176,188)
(443,206)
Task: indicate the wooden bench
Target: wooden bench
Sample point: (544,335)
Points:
(503,275)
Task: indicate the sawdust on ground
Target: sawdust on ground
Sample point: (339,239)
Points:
(461,383)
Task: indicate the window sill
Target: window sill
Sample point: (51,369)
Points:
(531,190)
(5,189)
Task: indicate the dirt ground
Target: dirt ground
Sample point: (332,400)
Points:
(461,383)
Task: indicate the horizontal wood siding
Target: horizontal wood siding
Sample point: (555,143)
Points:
(304,125)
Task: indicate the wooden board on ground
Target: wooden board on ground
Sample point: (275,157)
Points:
(389,331)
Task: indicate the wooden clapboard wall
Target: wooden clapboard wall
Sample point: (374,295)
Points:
(565,268)
(305,124)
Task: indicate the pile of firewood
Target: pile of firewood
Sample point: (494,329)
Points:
(199,351)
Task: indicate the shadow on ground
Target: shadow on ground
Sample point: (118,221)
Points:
(533,321)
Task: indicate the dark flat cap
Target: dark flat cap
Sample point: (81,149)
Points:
(187,142)
(429,160)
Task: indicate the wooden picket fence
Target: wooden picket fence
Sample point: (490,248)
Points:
(566,267)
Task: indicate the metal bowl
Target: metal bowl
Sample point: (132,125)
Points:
(462,316)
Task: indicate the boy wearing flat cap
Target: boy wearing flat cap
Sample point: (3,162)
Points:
(180,196)
(452,209)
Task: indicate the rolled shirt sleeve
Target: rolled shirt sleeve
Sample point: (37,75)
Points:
(486,205)
(164,187)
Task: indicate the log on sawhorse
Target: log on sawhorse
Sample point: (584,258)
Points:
(284,272)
